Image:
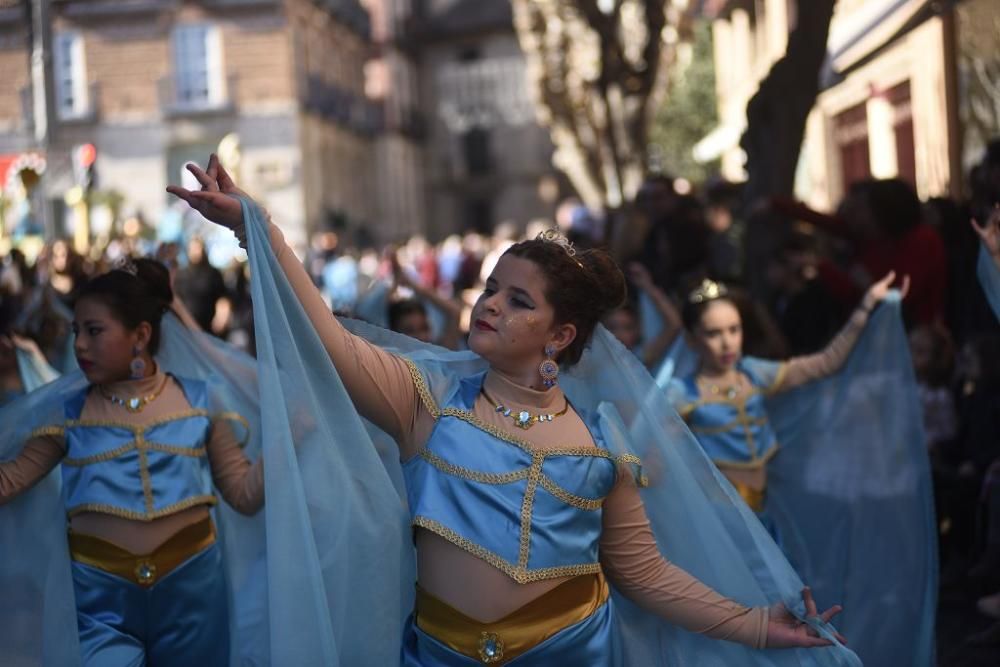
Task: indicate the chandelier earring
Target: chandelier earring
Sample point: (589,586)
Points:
(549,369)
(137,367)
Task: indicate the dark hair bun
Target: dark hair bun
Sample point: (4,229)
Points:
(156,278)
(610,290)
(582,287)
(133,297)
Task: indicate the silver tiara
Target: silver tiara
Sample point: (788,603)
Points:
(127,265)
(555,236)
(708,290)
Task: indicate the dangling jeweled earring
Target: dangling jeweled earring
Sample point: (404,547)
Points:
(549,369)
(137,367)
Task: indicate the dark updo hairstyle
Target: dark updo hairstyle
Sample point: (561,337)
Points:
(133,299)
(692,311)
(582,288)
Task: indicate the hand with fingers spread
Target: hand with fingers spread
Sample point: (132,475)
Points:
(990,233)
(218,198)
(878,291)
(786,631)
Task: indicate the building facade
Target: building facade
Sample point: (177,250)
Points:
(380,118)
(486,160)
(890,95)
(276,86)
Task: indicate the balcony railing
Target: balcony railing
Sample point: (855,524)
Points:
(342,106)
(113,8)
(172,104)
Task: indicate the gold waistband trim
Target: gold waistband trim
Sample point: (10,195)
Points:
(754,498)
(519,631)
(144,570)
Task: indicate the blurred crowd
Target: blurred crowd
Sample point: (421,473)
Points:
(799,272)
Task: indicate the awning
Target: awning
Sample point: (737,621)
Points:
(868,28)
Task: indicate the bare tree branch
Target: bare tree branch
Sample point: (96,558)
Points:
(595,75)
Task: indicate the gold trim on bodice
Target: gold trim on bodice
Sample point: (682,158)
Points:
(534,476)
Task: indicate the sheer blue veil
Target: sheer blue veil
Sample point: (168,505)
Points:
(334,520)
(34,372)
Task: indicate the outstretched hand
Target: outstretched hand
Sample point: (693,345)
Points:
(878,291)
(217,199)
(990,232)
(786,631)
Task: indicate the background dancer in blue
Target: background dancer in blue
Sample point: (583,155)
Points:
(140,450)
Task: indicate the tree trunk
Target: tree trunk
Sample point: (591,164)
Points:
(777,113)
(776,124)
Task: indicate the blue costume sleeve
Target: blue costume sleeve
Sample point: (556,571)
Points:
(989,278)
(765,374)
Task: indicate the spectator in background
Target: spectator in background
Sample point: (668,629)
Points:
(934,365)
(806,312)
(201,287)
(725,245)
(885,221)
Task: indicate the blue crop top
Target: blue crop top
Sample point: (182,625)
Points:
(139,472)
(532,513)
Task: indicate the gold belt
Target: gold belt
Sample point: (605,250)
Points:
(519,631)
(753,497)
(144,570)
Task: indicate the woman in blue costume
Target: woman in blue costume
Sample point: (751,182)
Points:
(723,401)
(139,450)
(828,451)
(525,501)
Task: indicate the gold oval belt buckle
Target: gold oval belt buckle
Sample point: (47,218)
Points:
(145,572)
(490,648)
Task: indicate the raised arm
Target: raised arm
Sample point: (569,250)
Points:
(656,348)
(633,563)
(809,368)
(378,382)
(40,455)
(451,310)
